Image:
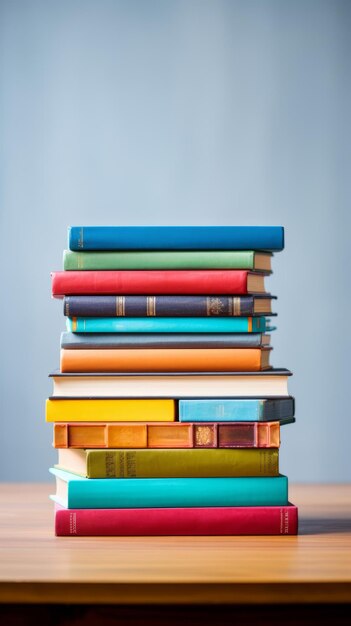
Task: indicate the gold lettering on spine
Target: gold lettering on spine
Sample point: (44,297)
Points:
(203,436)
(110,464)
(131,468)
(151,306)
(74,324)
(214,306)
(236,307)
(120,306)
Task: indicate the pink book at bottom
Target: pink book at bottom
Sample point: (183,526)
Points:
(255,520)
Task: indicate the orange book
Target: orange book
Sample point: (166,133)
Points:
(171,435)
(171,360)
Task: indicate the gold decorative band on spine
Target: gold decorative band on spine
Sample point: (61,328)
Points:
(236,307)
(249,323)
(151,306)
(74,323)
(120,306)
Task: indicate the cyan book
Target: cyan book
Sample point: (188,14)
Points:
(236,410)
(77,492)
(167,325)
(270,238)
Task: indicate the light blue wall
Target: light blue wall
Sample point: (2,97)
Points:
(179,112)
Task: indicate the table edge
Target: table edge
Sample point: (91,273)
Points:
(174,593)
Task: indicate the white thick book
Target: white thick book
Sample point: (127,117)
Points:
(273,382)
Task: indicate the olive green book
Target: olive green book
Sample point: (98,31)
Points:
(169,463)
(167,260)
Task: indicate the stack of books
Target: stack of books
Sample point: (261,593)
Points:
(166,409)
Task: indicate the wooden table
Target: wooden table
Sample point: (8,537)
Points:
(313,568)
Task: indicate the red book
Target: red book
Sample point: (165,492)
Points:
(238,282)
(251,520)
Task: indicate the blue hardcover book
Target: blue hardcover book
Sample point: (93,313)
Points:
(269,238)
(77,492)
(236,410)
(167,325)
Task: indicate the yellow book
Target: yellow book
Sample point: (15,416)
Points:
(110,410)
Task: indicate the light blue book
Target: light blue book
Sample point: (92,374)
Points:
(76,492)
(167,325)
(236,410)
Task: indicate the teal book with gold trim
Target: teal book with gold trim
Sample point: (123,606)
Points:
(167,325)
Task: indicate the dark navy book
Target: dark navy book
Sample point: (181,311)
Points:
(167,306)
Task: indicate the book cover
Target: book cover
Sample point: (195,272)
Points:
(231,410)
(160,360)
(169,463)
(129,282)
(253,520)
(168,325)
(167,260)
(103,341)
(167,306)
(267,383)
(168,434)
(76,492)
(110,410)
(176,238)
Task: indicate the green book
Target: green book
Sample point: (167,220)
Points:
(167,260)
(169,463)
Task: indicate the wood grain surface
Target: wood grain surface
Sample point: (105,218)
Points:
(37,567)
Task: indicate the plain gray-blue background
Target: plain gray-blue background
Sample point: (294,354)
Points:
(179,112)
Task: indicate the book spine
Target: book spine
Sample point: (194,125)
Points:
(173,492)
(111,410)
(170,435)
(176,238)
(221,410)
(146,260)
(160,360)
(282,520)
(101,341)
(181,463)
(232,410)
(134,282)
(167,385)
(158,306)
(166,325)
